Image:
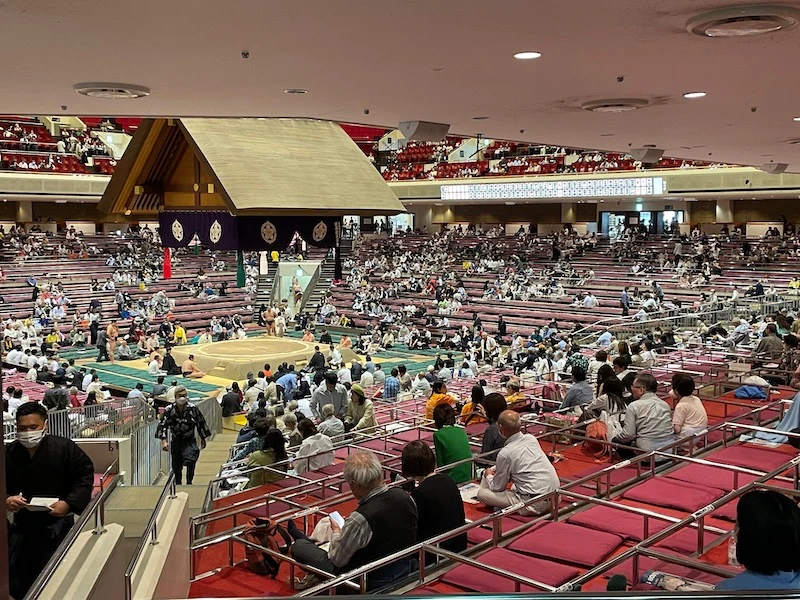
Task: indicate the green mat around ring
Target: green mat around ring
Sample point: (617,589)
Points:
(126,377)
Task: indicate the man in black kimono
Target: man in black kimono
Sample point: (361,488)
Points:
(48,466)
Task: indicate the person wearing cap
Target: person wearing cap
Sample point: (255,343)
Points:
(360,412)
(439,396)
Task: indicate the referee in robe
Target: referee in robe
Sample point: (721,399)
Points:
(41,465)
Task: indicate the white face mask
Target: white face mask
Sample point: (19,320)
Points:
(182,401)
(31,439)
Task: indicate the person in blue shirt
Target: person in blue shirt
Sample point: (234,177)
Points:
(767,543)
(391,387)
(287,384)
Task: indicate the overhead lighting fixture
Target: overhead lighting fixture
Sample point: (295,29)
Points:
(528,55)
(296,91)
(615,105)
(510,203)
(693,95)
(742,21)
(479,118)
(111,91)
(796,119)
(127,212)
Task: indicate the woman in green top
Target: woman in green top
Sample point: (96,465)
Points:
(451,443)
(272,451)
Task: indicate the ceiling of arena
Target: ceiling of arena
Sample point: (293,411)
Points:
(446,61)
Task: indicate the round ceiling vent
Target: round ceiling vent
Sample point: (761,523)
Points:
(740,21)
(615,105)
(112,91)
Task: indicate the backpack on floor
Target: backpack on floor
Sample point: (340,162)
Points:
(595,444)
(265,533)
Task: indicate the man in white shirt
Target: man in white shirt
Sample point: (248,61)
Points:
(521,462)
(367,379)
(316,446)
(137,392)
(344,375)
(87,379)
(14,356)
(421,387)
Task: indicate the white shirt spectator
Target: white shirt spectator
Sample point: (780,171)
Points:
(344,375)
(314,445)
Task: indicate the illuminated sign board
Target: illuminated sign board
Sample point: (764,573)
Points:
(580,188)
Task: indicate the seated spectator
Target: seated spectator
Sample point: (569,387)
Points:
(580,392)
(770,346)
(473,411)
(189,368)
(137,393)
(515,398)
(385,522)
(689,416)
(439,396)
(231,403)
(625,375)
(316,446)
(330,392)
(248,432)
(451,443)
(273,450)
(154,367)
(648,419)
(293,437)
(420,386)
(494,404)
(521,462)
(261,427)
(124,351)
(767,543)
(439,505)
(331,425)
(360,412)
(74,401)
(159,389)
(391,385)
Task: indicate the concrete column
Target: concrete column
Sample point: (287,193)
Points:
(569,212)
(24,211)
(724,210)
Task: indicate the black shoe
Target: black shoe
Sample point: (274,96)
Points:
(293,531)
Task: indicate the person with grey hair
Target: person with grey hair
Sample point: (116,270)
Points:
(648,419)
(180,421)
(293,437)
(384,523)
(521,462)
(331,425)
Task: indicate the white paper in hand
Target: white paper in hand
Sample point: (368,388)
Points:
(41,503)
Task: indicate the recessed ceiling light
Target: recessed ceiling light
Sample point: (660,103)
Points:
(296,91)
(741,21)
(111,91)
(615,105)
(480,118)
(529,55)
(692,95)
(796,119)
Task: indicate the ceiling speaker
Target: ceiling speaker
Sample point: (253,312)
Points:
(647,156)
(774,168)
(424,131)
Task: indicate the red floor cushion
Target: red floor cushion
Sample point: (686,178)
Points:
(751,457)
(710,476)
(685,541)
(669,493)
(478,580)
(568,543)
(619,522)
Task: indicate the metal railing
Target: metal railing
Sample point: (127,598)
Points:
(150,535)
(212,413)
(148,461)
(94,510)
(115,418)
